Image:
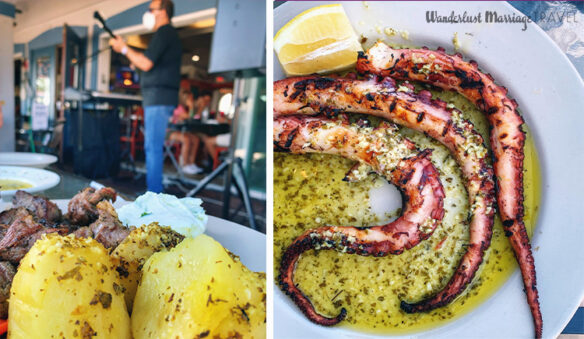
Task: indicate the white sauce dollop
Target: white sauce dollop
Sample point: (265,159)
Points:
(185,215)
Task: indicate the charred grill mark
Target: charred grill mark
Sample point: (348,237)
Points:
(295,94)
(330,112)
(492,110)
(301,85)
(318,83)
(466,81)
(420,117)
(447,127)
(290,138)
(471,84)
(395,63)
(323,83)
(278,148)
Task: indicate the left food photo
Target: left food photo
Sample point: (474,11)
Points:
(132,169)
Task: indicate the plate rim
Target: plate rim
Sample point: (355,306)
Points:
(48,159)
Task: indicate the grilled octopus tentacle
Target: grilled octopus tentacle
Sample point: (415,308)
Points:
(451,72)
(386,153)
(311,95)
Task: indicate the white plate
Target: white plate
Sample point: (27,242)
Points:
(551,98)
(248,244)
(37,160)
(40,179)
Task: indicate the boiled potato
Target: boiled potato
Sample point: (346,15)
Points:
(196,290)
(133,252)
(67,287)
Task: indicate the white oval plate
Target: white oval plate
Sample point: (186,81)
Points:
(40,179)
(38,160)
(551,98)
(244,242)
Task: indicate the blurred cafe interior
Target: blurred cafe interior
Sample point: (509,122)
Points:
(73,105)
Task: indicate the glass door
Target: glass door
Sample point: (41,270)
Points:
(43,62)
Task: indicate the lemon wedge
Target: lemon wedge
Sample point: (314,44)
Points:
(319,40)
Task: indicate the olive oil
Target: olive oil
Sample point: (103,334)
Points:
(9,184)
(309,192)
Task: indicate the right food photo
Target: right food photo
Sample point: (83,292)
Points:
(420,179)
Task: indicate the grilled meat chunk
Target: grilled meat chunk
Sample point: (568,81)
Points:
(19,237)
(9,216)
(107,229)
(83,232)
(41,207)
(82,208)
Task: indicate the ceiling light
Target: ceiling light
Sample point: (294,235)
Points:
(210,22)
(196,58)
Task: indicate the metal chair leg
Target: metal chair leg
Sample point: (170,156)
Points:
(203,183)
(244,193)
(168,152)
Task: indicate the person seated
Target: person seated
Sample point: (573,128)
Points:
(212,142)
(189,141)
(201,111)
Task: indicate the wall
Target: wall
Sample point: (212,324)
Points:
(130,22)
(39,17)
(7,76)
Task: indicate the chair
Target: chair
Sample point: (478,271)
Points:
(134,136)
(218,150)
(177,146)
(222,143)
